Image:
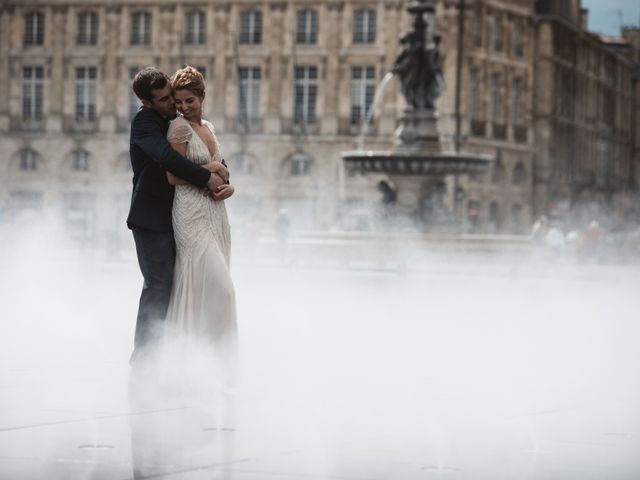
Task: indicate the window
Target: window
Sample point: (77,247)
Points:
(516,101)
(518,38)
(519,174)
(80,161)
(476,115)
(307,27)
(363,87)
(34,29)
(498,174)
(251,27)
(196,28)
(85,95)
(306,90)
(494,217)
(134,101)
(517,218)
(87,29)
(300,164)
(249,93)
(29,160)
(474,93)
(25,202)
(32,81)
(141,28)
(496,99)
(79,214)
(476,28)
(498,34)
(364,26)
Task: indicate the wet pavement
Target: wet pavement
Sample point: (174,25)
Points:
(457,372)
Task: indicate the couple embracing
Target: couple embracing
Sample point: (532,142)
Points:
(179,220)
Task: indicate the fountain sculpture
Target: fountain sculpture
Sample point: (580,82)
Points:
(417,166)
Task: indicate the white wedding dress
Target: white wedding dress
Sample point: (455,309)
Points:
(201,319)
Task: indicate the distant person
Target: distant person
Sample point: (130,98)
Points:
(283,230)
(554,240)
(539,230)
(283,225)
(591,241)
(152,201)
(473,218)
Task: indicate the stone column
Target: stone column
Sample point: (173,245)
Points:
(331,85)
(54,96)
(5,43)
(221,20)
(388,109)
(164,38)
(108,39)
(274,70)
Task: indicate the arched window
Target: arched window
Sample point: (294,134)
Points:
(517,219)
(300,164)
(80,160)
(29,160)
(519,174)
(498,173)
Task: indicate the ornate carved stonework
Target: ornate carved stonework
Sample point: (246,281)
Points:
(278,7)
(222,7)
(335,6)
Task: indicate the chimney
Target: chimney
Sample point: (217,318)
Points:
(584,19)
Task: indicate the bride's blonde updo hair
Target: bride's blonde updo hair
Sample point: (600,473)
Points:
(188,78)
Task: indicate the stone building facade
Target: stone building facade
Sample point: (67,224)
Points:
(288,87)
(584,118)
(497,78)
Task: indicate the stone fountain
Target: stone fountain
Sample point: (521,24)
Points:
(417,166)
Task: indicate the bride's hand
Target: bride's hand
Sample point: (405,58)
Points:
(219,168)
(223,192)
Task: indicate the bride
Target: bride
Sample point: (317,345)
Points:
(201,318)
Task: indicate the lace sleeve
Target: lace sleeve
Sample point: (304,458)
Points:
(179,131)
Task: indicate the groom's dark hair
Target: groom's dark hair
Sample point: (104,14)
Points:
(147,80)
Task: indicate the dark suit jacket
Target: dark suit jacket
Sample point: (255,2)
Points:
(151,157)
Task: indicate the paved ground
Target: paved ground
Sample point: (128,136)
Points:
(458,371)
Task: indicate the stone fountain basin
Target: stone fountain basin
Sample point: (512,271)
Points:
(409,163)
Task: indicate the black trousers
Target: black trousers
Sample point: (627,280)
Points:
(156,256)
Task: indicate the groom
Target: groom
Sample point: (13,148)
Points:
(152,199)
